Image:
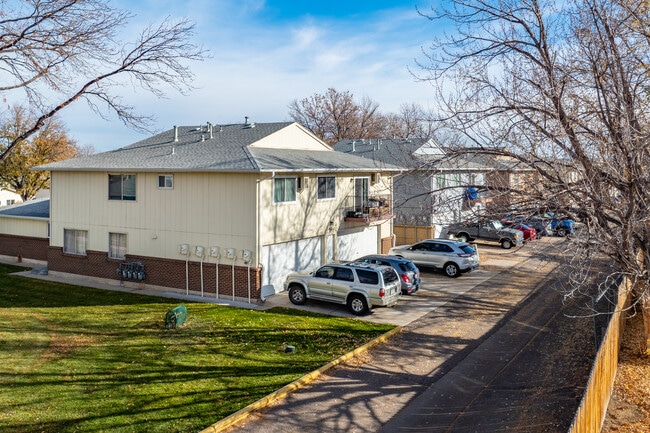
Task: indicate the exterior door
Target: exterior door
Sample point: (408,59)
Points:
(360,194)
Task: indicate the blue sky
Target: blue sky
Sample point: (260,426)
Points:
(264,54)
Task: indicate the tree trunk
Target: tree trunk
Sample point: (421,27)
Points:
(645,309)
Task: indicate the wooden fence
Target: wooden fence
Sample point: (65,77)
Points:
(406,235)
(591,413)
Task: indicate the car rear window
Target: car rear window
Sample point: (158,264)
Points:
(408,266)
(389,275)
(367,277)
(467,249)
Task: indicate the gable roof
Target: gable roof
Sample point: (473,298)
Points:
(222,148)
(37,208)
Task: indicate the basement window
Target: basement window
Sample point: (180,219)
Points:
(74,241)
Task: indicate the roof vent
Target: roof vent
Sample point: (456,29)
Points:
(175,133)
(353,145)
(247,124)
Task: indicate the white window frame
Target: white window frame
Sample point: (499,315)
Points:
(117,246)
(75,241)
(333,185)
(167,181)
(284,180)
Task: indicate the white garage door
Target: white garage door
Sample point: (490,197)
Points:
(278,260)
(353,245)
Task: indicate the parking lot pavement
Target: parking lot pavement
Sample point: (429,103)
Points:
(436,290)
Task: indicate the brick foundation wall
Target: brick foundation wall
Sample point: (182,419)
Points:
(24,246)
(162,272)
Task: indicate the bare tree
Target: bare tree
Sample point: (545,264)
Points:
(562,87)
(54,52)
(411,122)
(335,116)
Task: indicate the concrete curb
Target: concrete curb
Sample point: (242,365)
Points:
(242,414)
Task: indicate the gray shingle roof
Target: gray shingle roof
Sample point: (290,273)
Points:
(38,208)
(401,152)
(388,151)
(225,150)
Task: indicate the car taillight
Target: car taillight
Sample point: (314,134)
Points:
(464,255)
(406,278)
(382,292)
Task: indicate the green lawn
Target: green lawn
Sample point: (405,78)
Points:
(77,359)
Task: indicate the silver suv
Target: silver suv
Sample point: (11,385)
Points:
(360,286)
(452,257)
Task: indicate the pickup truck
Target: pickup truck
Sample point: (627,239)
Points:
(490,230)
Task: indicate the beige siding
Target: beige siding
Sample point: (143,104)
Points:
(23,227)
(293,137)
(308,216)
(201,209)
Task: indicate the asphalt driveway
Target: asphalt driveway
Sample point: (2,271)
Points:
(455,342)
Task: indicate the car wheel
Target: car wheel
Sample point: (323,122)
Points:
(452,270)
(506,244)
(357,304)
(462,237)
(297,295)
(561,232)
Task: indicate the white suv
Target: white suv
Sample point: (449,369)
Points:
(360,286)
(452,257)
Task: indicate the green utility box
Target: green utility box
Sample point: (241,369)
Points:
(175,317)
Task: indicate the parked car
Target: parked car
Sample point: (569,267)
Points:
(542,227)
(562,226)
(489,230)
(530,234)
(409,273)
(452,257)
(360,286)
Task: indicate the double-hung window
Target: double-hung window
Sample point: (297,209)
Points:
(284,189)
(121,187)
(117,245)
(74,241)
(326,187)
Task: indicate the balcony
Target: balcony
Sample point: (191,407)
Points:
(377,209)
